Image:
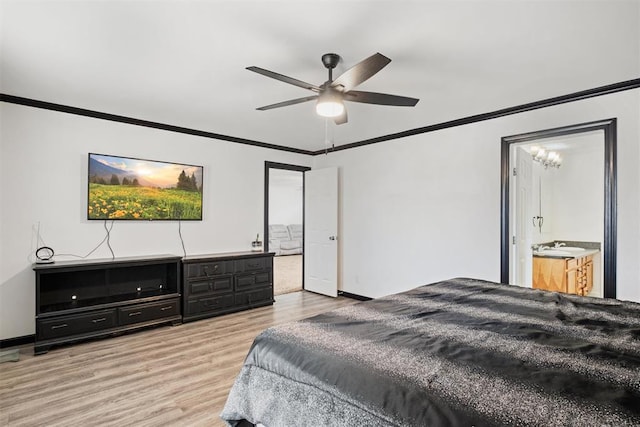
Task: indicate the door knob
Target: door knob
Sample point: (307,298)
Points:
(332,237)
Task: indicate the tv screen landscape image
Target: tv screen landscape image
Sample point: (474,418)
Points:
(124,188)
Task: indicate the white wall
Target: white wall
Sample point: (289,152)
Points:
(543,202)
(43,171)
(578,199)
(412,211)
(577,206)
(427,208)
(285,196)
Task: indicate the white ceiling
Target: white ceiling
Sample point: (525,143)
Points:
(183,62)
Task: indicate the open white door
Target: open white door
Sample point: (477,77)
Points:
(321,231)
(523,219)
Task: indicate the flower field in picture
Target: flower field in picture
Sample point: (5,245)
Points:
(137,202)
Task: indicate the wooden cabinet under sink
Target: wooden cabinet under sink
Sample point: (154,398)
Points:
(568,275)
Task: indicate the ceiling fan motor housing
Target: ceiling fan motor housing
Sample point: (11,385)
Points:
(330,60)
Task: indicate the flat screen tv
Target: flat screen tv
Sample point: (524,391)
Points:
(124,188)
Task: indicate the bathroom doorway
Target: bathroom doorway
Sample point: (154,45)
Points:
(558,207)
(284,224)
(558,196)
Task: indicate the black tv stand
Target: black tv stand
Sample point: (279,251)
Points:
(76,300)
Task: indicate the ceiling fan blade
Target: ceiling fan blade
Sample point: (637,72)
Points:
(379,98)
(289,102)
(284,78)
(342,118)
(361,72)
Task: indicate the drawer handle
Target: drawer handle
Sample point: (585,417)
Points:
(135,313)
(169,307)
(206,269)
(64,325)
(102,319)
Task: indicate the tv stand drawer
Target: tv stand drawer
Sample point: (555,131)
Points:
(150,311)
(62,326)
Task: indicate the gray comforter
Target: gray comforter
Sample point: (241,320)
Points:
(458,352)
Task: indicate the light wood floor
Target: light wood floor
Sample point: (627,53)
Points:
(177,375)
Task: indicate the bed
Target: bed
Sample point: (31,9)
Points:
(460,352)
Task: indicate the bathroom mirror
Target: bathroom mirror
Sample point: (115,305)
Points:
(529,155)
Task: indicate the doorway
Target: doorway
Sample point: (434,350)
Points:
(284,224)
(557,199)
(517,148)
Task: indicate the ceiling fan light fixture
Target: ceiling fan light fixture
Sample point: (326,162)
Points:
(329,104)
(329,109)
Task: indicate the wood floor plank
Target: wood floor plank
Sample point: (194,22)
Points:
(178,375)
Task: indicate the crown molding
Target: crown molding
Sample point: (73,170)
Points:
(563,99)
(549,102)
(144,123)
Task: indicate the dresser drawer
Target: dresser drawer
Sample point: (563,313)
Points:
(203,305)
(253,264)
(149,311)
(76,324)
(255,280)
(208,269)
(215,285)
(254,297)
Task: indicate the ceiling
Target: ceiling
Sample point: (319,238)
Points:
(183,62)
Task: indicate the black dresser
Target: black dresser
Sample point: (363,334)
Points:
(223,283)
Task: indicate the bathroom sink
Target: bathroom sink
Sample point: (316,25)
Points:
(571,249)
(554,252)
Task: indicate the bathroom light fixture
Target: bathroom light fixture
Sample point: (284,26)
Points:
(546,158)
(329,104)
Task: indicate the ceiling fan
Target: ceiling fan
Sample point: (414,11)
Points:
(332,93)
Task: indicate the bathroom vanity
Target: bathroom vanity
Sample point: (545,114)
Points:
(569,273)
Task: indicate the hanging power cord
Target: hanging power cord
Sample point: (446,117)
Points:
(106,238)
(108,230)
(181,239)
(41,253)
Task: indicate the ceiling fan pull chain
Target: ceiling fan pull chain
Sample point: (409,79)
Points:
(326,136)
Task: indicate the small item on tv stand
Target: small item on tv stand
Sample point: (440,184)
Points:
(44,255)
(256,245)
